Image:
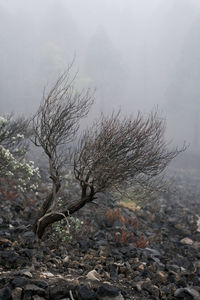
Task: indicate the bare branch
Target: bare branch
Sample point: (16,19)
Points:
(117,151)
(57,120)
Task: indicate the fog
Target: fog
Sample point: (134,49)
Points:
(137,54)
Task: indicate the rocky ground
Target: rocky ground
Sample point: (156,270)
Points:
(116,254)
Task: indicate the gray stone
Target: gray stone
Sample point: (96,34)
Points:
(41,283)
(11,258)
(184,292)
(58,291)
(29,235)
(5,294)
(108,292)
(85,294)
(32,289)
(19,281)
(152,252)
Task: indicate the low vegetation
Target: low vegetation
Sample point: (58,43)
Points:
(17,174)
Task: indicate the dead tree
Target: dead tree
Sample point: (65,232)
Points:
(54,126)
(112,153)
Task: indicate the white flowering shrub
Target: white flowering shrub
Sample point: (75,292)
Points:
(15,172)
(13,135)
(65,230)
(3,121)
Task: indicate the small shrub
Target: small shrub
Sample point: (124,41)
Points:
(125,235)
(114,215)
(65,230)
(134,196)
(142,242)
(17,175)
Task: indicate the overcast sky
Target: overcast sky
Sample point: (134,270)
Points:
(136,53)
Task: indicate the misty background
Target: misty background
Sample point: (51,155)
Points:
(137,54)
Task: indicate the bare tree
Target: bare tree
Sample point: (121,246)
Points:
(115,152)
(54,126)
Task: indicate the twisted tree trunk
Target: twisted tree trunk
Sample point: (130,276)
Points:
(47,206)
(50,201)
(49,215)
